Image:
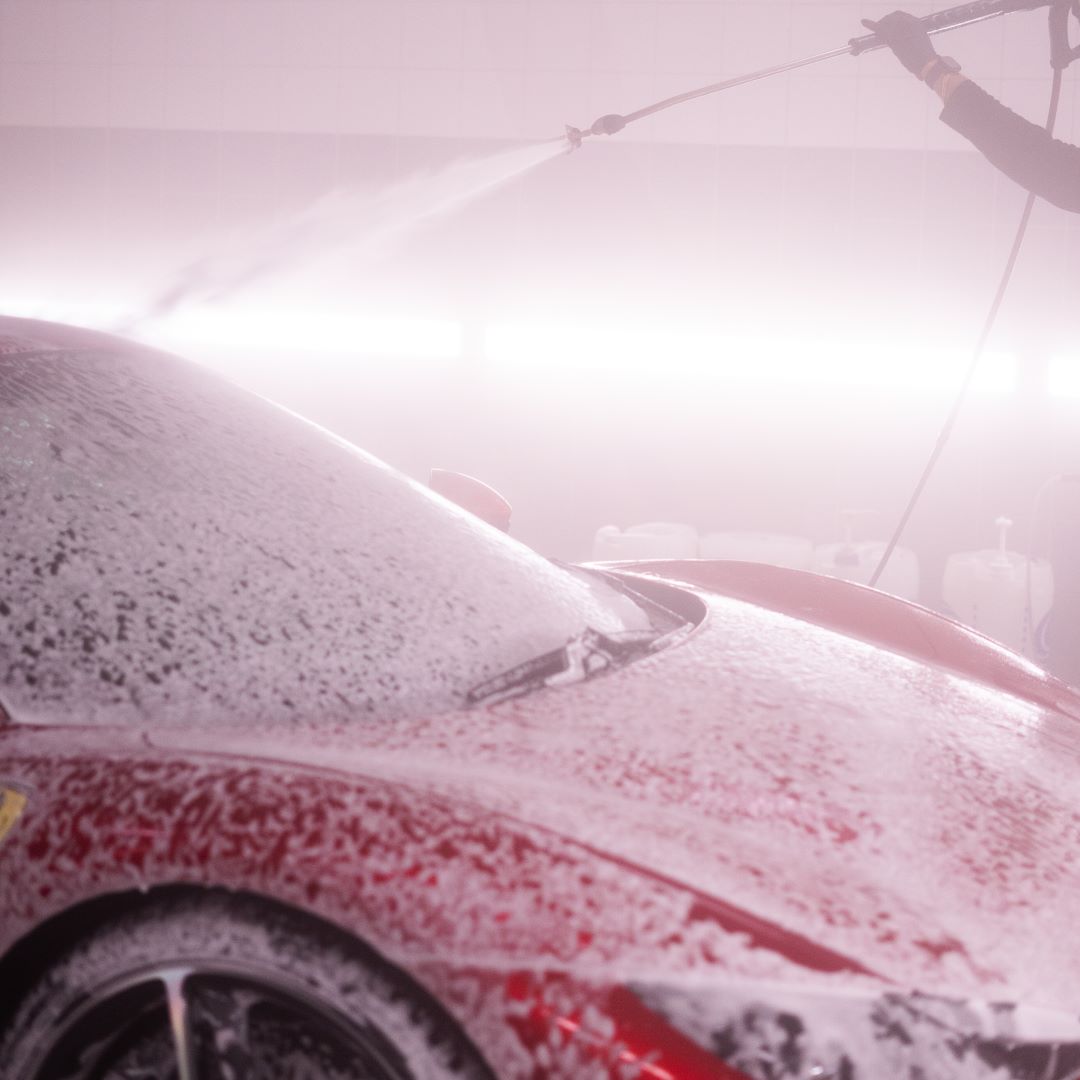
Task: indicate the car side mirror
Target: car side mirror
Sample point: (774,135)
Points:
(472,495)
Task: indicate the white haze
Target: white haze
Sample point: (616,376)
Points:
(363,224)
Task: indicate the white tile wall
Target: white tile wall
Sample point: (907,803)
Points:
(821,112)
(431,105)
(371,35)
(494,35)
(254,32)
(81,97)
(314,33)
(27,31)
(817,28)
(26,94)
(423,67)
(193,36)
(691,38)
(310,99)
(757,115)
(624,91)
(139,32)
(558,36)
(82,30)
(624,36)
(137,96)
(194,97)
(492,104)
(552,100)
(758,35)
(695,122)
(251,99)
(432,34)
(370,99)
(889,114)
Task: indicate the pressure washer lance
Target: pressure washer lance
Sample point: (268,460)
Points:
(949,19)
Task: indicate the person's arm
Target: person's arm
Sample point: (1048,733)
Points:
(1023,151)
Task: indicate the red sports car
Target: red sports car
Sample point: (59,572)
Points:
(307,773)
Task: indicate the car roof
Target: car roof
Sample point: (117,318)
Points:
(175,548)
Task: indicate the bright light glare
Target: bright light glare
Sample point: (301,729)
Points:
(305,331)
(1063,377)
(266,329)
(807,362)
(98,316)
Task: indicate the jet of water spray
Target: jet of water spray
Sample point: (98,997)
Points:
(367,224)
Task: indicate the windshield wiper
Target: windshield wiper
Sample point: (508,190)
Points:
(583,657)
(659,614)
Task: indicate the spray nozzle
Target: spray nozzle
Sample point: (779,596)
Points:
(573,137)
(608,125)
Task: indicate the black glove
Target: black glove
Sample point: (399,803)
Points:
(905,35)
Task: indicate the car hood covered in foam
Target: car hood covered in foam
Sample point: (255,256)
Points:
(920,823)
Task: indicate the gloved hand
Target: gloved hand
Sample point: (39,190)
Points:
(905,35)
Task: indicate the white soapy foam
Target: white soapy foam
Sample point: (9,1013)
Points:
(173,546)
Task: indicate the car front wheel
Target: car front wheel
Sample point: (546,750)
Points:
(225,988)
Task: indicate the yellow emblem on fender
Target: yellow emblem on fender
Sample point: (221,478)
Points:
(11,806)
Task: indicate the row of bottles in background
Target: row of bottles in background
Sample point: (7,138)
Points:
(1002,593)
(995,590)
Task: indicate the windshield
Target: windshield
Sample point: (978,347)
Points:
(175,549)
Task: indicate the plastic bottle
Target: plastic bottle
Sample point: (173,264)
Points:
(988,590)
(856,560)
(655,540)
(774,549)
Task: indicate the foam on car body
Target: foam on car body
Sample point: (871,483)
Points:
(173,548)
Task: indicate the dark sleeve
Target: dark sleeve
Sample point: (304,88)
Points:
(1022,150)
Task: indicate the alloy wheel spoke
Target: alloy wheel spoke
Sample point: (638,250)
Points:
(227,1013)
(218,1023)
(180,1023)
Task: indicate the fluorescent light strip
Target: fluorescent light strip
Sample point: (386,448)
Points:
(768,360)
(306,331)
(96,316)
(266,329)
(809,362)
(1063,376)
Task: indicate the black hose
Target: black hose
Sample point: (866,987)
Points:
(966,14)
(995,307)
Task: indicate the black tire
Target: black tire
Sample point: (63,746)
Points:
(257,993)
